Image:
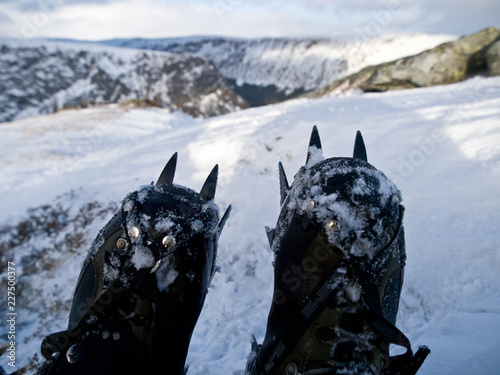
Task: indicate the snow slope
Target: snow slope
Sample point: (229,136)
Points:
(440,146)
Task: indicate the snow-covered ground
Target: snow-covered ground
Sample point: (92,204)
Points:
(440,145)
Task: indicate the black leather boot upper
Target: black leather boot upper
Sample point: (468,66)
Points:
(339,260)
(142,285)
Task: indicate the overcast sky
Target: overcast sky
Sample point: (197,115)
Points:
(102,19)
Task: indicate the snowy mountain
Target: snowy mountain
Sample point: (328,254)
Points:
(439,145)
(201,76)
(272,69)
(41,77)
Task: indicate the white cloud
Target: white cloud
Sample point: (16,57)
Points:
(147,19)
(92,19)
(4,17)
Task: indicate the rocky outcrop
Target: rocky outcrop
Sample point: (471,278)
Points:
(42,78)
(269,70)
(447,63)
(492,57)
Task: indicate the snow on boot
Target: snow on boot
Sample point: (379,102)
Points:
(143,284)
(339,259)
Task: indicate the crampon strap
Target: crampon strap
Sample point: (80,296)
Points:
(321,297)
(324,296)
(97,314)
(100,310)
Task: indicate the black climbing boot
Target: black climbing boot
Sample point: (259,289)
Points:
(339,260)
(142,285)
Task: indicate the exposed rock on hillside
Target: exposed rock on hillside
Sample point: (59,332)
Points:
(492,57)
(447,63)
(42,78)
(268,70)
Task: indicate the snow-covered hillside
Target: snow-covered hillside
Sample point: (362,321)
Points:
(40,77)
(195,75)
(291,64)
(440,146)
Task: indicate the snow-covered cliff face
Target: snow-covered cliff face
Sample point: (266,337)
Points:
(202,76)
(286,66)
(42,77)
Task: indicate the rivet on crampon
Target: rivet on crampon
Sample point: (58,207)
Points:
(76,353)
(157,265)
(332,226)
(121,244)
(291,369)
(168,242)
(310,206)
(133,232)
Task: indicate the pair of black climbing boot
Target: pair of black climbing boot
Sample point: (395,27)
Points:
(339,259)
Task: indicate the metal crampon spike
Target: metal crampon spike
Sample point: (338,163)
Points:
(359,148)
(270,235)
(224,218)
(208,189)
(314,151)
(167,175)
(284,187)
